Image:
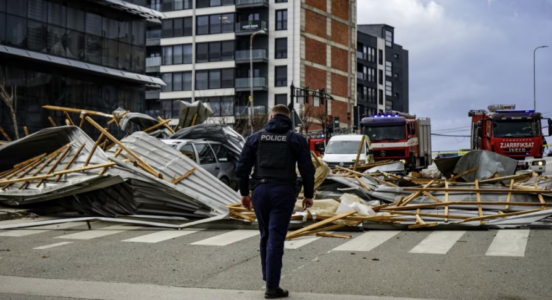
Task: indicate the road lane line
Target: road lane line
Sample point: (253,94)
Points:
(228,238)
(40,229)
(52,245)
(160,236)
(438,242)
(300,242)
(367,241)
(92,234)
(509,242)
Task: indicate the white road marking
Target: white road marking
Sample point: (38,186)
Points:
(92,234)
(25,220)
(160,236)
(300,242)
(367,241)
(40,229)
(52,245)
(438,242)
(228,238)
(509,243)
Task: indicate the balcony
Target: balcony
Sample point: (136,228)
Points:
(259,55)
(360,76)
(153,37)
(153,64)
(153,94)
(250,27)
(259,84)
(251,3)
(243,111)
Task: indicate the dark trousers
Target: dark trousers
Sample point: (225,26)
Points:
(273,205)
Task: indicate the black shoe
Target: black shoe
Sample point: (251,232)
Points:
(276,293)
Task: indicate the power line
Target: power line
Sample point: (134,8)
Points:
(448,135)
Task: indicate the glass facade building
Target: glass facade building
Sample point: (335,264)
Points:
(78,53)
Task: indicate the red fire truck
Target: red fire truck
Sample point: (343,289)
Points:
(510,132)
(400,136)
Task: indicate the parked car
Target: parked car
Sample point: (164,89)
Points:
(212,156)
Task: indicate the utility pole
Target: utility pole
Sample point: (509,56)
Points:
(251,78)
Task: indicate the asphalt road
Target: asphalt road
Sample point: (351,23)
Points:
(228,266)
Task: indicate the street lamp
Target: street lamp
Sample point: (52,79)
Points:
(251,76)
(534,78)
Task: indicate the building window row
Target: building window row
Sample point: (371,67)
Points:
(281,48)
(215,24)
(172,5)
(70,32)
(177,54)
(366,53)
(388,68)
(215,51)
(214,79)
(181,81)
(213,3)
(281,19)
(177,27)
(281,99)
(388,88)
(221,106)
(388,38)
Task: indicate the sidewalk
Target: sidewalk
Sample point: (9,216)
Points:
(125,291)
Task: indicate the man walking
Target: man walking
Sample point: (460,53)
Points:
(274,154)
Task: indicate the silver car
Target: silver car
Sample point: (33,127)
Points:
(212,156)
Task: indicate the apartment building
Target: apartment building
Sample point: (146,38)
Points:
(74,53)
(382,71)
(202,52)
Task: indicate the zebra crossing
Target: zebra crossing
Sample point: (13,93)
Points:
(506,243)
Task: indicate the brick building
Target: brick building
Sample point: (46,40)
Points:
(202,53)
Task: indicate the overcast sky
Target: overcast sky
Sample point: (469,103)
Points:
(468,54)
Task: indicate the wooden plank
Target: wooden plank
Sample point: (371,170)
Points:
(430,215)
(117,152)
(42,177)
(233,205)
(432,197)
(446,201)
(426,225)
(53,168)
(29,169)
(479,208)
(343,236)
(350,171)
(483,191)
(419,219)
(118,118)
(72,160)
(362,184)
(184,176)
(28,161)
(5,134)
(328,228)
(416,194)
(48,160)
(460,203)
(322,223)
(194,120)
(160,124)
(115,119)
(93,150)
(500,215)
(400,200)
(77,111)
(243,216)
(358,152)
(83,118)
(68,117)
(113,139)
(26,130)
(103,171)
(464,173)
(52,121)
(166,125)
(541,198)
(507,207)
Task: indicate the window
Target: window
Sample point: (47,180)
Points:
(188,150)
(206,155)
(177,81)
(17,7)
(396,56)
(388,88)
(171,5)
(167,29)
(281,76)
(177,52)
(167,55)
(188,26)
(202,52)
(167,78)
(396,75)
(227,78)
(281,19)
(371,74)
(202,80)
(371,95)
(187,81)
(214,79)
(281,1)
(228,50)
(181,81)
(187,54)
(214,24)
(380,74)
(220,152)
(215,51)
(227,106)
(281,48)
(177,27)
(380,58)
(280,99)
(203,25)
(388,68)
(212,3)
(371,54)
(380,97)
(388,38)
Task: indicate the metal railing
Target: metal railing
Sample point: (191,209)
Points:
(251,26)
(243,111)
(153,34)
(244,83)
(243,55)
(153,61)
(250,2)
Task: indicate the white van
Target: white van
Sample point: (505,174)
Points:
(342,151)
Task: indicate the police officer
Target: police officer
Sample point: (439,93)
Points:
(274,154)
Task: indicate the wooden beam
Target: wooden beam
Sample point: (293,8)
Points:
(160,124)
(184,176)
(243,216)
(83,118)
(93,150)
(464,173)
(28,161)
(117,152)
(167,125)
(426,225)
(76,110)
(115,118)
(26,130)
(102,172)
(5,134)
(446,201)
(68,117)
(118,118)
(343,236)
(460,203)
(358,152)
(482,191)
(53,168)
(362,184)
(507,207)
(430,215)
(52,121)
(416,194)
(233,205)
(432,197)
(328,228)
(29,169)
(322,223)
(42,177)
(72,160)
(500,215)
(194,119)
(113,139)
(350,171)
(47,160)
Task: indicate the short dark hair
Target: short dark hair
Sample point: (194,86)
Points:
(280,109)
